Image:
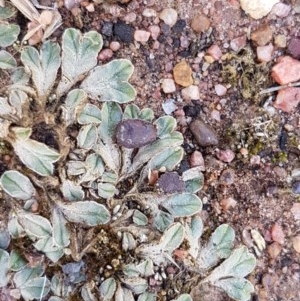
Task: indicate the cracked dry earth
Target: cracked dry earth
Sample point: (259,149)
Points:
(252,173)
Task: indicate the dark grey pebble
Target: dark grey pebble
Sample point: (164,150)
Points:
(124,32)
(296,187)
(170,182)
(203,133)
(134,133)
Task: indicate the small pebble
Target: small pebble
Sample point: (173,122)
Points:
(149,12)
(264,53)
(277,234)
(203,133)
(225,155)
(124,32)
(228,203)
(105,54)
(154,31)
(280,41)
(296,211)
(296,243)
(262,36)
(287,70)
(114,46)
(227,177)
(238,43)
(169,16)
(197,160)
(296,187)
(168,85)
(215,114)
(130,17)
(287,99)
(215,52)
(200,23)
(141,36)
(169,106)
(190,93)
(274,250)
(183,74)
(171,182)
(257,9)
(281,10)
(294,47)
(220,90)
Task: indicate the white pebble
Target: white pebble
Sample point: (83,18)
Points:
(220,90)
(141,36)
(169,106)
(191,92)
(149,13)
(169,16)
(168,85)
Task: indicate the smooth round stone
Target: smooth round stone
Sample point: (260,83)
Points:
(135,133)
(203,133)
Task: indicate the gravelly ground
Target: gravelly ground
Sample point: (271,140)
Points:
(262,191)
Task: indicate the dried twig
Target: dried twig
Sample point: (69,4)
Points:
(273,89)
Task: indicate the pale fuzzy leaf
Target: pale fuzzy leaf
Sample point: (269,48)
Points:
(5,108)
(184,297)
(4,263)
(7,11)
(36,288)
(238,289)
(132,111)
(167,159)
(79,55)
(162,220)
(35,225)
(183,204)
(193,231)
(36,156)
(20,76)
(72,192)
(137,285)
(43,66)
(53,298)
(239,264)
(86,212)
(110,82)
(218,247)
(26,274)
(86,292)
(61,234)
(94,168)
(147,152)
(146,296)
(75,100)
(131,270)
(8,34)
(17,99)
(16,262)
(57,285)
(14,228)
(123,294)
(128,241)
(4,238)
(109,177)
(139,218)
(108,288)
(146,268)
(111,114)
(87,136)
(194,179)
(90,114)
(106,190)
(7,61)
(165,126)
(17,185)
(47,245)
(172,237)
(75,168)
(22,133)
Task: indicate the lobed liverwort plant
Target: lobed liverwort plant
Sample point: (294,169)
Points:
(83,216)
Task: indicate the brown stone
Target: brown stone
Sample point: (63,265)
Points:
(286,71)
(287,99)
(203,133)
(182,73)
(262,36)
(200,23)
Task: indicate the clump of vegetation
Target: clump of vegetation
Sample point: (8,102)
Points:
(94,202)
